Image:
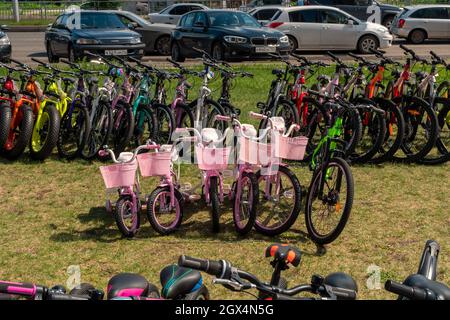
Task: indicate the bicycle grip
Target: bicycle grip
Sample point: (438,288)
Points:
(212,267)
(222,118)
(405,291)
(103,153)
(256,115)
(16,288)
(344,294)
(65,297)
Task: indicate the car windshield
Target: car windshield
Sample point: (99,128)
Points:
(100,21)
(232,19)
(138,19)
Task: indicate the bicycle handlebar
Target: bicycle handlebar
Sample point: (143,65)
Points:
(412,293)
(413,55)
(148,146)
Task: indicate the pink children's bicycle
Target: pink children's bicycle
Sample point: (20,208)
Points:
(164,208)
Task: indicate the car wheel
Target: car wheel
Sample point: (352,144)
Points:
(293,44)
(176,53)
(51,57)
(387,21)
(417,36)
(162,45)
(217,52)
(366,43)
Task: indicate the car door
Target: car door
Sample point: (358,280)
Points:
(174,15)
(63,35)
(200,37)
(304,26)
(336,32)
(434,20)
(186,34)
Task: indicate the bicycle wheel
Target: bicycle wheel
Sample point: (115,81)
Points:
(327,214)
(215,203)
(279,201)
(100,133)
(441,153)
(372,135)
(244,207)
(421,129)
(123,126)
(165,123)
(317,125)
(45,133)
(5,122)
(145,126)
(127,221)
(395,129)
(352,132)
(19,136)
(74,130)
(183,116)
(285,110)
(164,218)
(443,90)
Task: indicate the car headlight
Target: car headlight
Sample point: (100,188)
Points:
(87,41)
(135,40)
(284,39)
(5,40)
(235,39)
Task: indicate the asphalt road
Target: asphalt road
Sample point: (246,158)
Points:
(26,45)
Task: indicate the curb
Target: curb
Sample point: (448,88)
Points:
(26,28)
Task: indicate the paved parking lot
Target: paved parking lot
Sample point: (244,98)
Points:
(26,45)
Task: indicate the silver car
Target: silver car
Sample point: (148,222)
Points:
(156,36)
(418,23)
(173,13)
(328,28)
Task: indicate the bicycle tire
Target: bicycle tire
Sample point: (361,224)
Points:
(215,203)
(5,123)
(294,211)
(51,139)
(100,133)
(122,130)
(165,123)
(123,205)
(253,203)
(20,135)
(334,234)
(144,117)
(151,214)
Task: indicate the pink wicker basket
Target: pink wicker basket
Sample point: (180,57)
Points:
(154,163)
(290,148)
(256,153)
(212,158)
(119,175)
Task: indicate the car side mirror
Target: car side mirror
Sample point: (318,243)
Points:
(132,25)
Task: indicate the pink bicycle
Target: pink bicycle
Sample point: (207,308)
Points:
(121,177)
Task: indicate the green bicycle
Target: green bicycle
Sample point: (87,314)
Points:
(330,196)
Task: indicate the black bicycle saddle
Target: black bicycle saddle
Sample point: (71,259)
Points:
(178,281)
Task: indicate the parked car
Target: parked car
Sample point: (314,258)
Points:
(418,23)
(361,9)
(225,34)
(5,44)
(75,33)
(328,28)
(173,13)
(156,36)
(261,3)
(265,14)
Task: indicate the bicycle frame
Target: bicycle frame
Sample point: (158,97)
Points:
(200,112)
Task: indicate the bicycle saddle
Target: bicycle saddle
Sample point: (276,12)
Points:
(277,72)
(210,134)
(419,281)
(420,75)
(284,252)
(177,281)
(130,284)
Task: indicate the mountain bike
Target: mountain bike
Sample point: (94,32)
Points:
(330,194)
(335,286)
(277,105)
(421,123)
(47,110)
(97,100)
(358,88)
(8,92)
(75,125)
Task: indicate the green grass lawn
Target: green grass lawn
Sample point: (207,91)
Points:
(53,216)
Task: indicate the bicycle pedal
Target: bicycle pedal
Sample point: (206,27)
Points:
(185,187)
(194,197)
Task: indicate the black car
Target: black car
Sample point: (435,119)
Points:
(225,34)
(75,33)
(363,9)
(5,45)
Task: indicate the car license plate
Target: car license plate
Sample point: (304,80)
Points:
(116,52)
(265,49)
